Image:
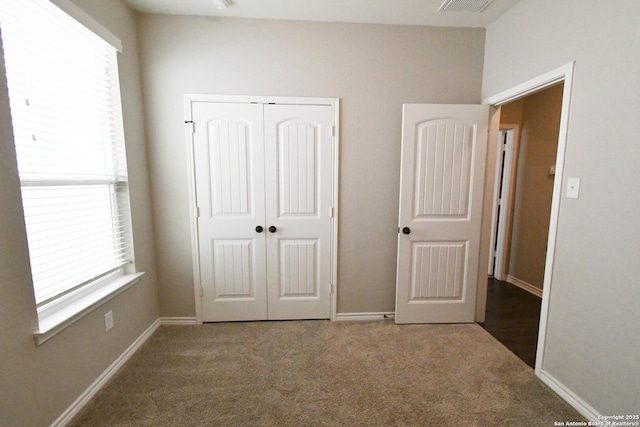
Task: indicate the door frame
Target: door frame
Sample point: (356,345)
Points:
(561,74)
(189,100)
(503,216)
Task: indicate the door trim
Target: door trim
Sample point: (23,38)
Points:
(189,99)
(505,177)
(560,74)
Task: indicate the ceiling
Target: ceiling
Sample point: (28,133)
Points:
(402,12)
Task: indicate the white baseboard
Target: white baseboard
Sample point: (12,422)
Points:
(82,400)
(570,397)
(365,316)
(178,321)
(524,285)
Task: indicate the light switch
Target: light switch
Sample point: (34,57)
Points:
(573,188)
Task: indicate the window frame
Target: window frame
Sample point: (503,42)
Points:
(55,315)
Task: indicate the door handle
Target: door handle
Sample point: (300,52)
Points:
(406,230)
(259,229)
(272,229)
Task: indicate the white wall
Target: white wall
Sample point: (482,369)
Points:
(38,383)
(593,342)
(373,69)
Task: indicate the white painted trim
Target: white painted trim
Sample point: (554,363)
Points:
(178,321)
(555,213)
(524,286)
(195,250)
(534,85)
(76,305)
(497,178)
(365,316)
(189,99)
(259,99)
(564,73)
(95,387)
(336,211)
(507,178)
(570,397)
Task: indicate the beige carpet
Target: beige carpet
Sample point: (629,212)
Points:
(321,373)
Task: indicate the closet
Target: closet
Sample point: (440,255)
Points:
(263,181)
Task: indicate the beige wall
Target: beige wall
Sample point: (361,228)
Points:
(38,383)
(373,69)
(511,113)
(592,343)
(539,125)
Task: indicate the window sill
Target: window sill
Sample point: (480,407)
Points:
(55,321)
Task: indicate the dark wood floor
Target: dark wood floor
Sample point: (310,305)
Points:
(512,318)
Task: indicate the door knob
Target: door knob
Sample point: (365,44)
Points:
(272,229)
(259,229)
(406,230)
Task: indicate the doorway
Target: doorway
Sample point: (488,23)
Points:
(527,153)
(540,277)
(525,174)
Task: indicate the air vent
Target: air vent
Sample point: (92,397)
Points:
(464,5)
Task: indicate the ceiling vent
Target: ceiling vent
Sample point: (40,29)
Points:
(464,5)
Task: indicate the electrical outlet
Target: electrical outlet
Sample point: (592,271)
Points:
(108,320)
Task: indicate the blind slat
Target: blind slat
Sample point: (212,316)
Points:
(80,260)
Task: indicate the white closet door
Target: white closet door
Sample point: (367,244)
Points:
(229,171)
(441,186)
(298,150)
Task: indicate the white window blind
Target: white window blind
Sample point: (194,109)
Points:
(67,123)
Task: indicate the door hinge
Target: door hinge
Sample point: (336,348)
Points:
(333,131)
(197,212)
(193,125)
(201,292)
(330,288)
(331,212)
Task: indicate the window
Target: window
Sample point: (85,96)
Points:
(65,106)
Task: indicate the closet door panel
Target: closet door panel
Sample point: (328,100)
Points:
(229,172)
(298,172)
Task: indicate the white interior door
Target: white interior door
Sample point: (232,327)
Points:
(229,172)
(441,185)
(298,150)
